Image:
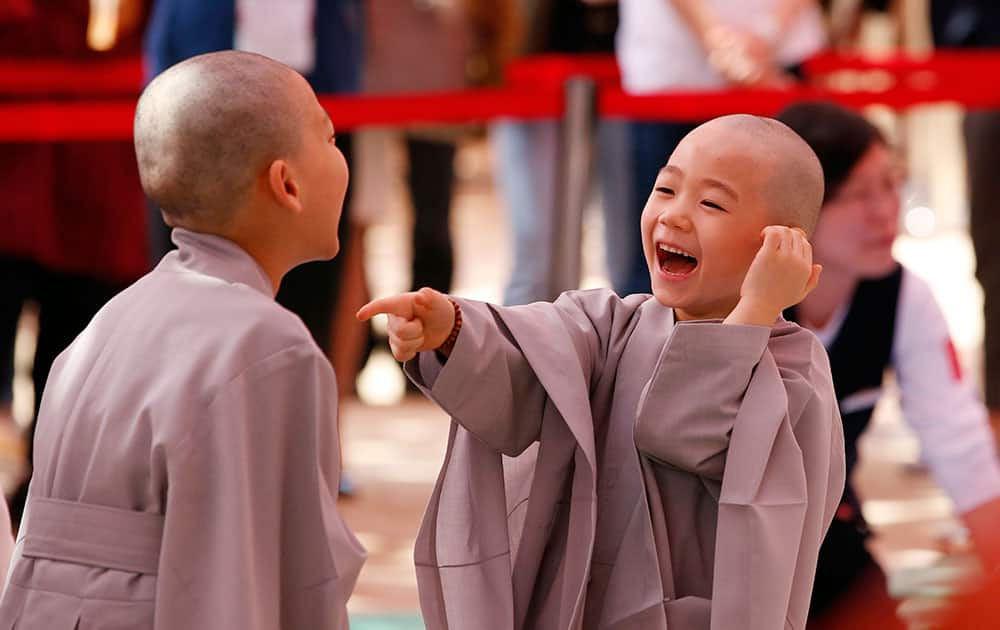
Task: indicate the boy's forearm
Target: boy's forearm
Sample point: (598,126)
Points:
(484,383)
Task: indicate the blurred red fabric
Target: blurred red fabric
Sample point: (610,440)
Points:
(71,206)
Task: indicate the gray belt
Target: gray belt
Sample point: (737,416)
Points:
(93,535)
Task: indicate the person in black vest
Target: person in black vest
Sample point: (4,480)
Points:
(873,314)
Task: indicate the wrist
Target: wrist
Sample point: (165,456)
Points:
(446,346)
(752,313)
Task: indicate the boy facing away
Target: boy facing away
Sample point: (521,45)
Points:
(657,462)
(187,455)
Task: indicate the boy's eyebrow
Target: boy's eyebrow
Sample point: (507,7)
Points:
(726,188)
(708,181)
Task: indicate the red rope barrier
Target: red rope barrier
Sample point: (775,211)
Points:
(52,121)
(113,77)
(535,91)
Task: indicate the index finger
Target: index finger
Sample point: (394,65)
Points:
(399,305)
(771,236)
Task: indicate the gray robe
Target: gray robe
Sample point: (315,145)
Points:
(655,476)
(186,464)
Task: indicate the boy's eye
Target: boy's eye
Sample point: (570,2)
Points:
(664,190)
(713,205)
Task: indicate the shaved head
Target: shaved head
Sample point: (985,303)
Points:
(793,182)
(207,127)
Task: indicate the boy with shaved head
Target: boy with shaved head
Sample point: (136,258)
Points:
(658,462)
(187,456)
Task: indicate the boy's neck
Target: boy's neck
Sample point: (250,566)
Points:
(272,261)
(835,289)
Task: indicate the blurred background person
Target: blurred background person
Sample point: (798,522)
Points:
(528,153)
(975,24)
(72,219)
(665,45)
(418,46)
(873,315)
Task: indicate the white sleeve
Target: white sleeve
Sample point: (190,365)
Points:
(940,402)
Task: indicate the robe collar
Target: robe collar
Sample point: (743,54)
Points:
(217,257)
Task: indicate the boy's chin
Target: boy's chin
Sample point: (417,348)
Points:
(664,297)
(684,311)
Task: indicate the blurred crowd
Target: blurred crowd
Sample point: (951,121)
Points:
(75,228)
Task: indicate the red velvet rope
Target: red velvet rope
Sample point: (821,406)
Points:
(42,101)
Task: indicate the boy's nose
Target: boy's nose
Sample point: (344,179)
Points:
(675,218)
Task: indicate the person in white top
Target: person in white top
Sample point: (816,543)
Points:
(664,45)
(871,313)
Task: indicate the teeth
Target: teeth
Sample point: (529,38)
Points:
(674,250)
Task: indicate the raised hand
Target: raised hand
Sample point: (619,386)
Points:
(418,321)
(781,275)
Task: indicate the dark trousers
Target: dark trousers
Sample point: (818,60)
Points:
(66,304)
(982,149)
(652,144)
(431,178)
(310,290)
(850,589)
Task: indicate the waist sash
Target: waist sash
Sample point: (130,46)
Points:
(93,535)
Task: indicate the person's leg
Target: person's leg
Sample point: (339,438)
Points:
(310,290)
(350,335)
(652,144)
(614,166)
(526,154)
(982,148)
(431,179)
(66,304)
(15,275)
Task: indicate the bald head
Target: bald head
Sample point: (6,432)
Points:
(205,128)
(792,175)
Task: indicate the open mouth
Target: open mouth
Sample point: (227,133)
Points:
(674,261)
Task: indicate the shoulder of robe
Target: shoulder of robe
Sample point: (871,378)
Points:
(801,357)
(601,304)
(236,322)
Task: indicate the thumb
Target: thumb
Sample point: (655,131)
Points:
(813,279)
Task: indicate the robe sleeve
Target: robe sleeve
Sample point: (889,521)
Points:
(252,537)
(487,384)
(784,479)
(6,540)
(686,414)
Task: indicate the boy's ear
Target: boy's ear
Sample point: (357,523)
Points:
(282,186)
